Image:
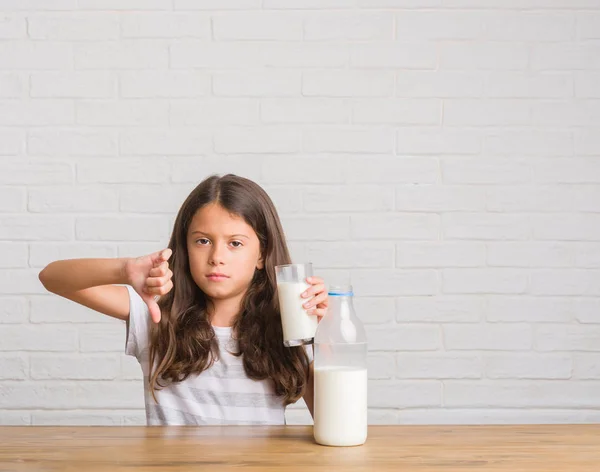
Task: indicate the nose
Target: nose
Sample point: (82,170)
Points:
(217,254)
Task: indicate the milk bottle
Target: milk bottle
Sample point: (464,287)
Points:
(340,374)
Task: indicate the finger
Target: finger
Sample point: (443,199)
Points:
(153,308)
(314,280)
(162,290)
(319,312)
(313,290)
(159,271)
(158,281)
(320,298)
(162,256)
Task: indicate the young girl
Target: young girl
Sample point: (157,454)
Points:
(204,312)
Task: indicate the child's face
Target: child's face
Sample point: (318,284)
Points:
(222,243)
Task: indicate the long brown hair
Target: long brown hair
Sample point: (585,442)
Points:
(184,343)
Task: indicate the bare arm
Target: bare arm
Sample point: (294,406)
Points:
(90,282)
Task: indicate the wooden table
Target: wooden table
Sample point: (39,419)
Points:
(547,448)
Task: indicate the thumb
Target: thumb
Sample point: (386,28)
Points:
(152,307)
(161,256)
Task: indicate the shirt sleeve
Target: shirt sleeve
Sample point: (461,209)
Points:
(136,340)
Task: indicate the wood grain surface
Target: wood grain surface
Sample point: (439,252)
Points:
(526,448)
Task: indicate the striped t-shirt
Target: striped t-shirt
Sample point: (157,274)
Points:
(222,394)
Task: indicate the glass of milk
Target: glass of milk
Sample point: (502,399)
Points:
(298,326)
(340,373)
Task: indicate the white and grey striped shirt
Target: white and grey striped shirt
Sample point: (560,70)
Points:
(222,394)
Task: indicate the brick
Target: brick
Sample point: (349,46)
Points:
(564,337)
(205,55)
(63,395)
(304,110)
(54,309)
(341,26)
(251,26)
(528,366)
(565,56)
(485,226)
(67,84)
(529,85)
(587,142)
(193,170)
(353,198)
(73,27)
(275,169)
(130,369)
(529,309)
(399,112)
(399,226)
(15,172)
(55,5)
(165,25)
(413,55)
(439,309)
(565,282)
(125,4)
(307,4)
(164,84)
(216,4)
(12,141)
(530,26)
(36,228)
(352,83)
(489,337)
(16,367)
(123,113)
(20,281)
(437,141)
(438,366)
(35,55)
(14,255)
(257,140)
(315,228)
(13,26)
(135,249)
(529,142)
(442,84)
(572,227)
(438,198)
(500,416)
(15,418)
(440,254)
(257,83)
(586,366)
(380,366)
(12,84)
(130,171)
(384,169)
(349,139)
(587,255)
(74,367)
(560,113)
(42,253)
(349,255)
(13,199)
(406,394)
(588,24)
(440,25)
(470,112)
(529,199)
(36,112)
(71,142)
(486,171)
(152,198)
(390,282)
(123,54)
(484,281)
(211,112)
(521,394)
(529,254)
(107,337)
(161,142)
(72,199)
(13,310)
(128,228)
(586,84)
(38,338)
(374,310)
(77,418)
(568,171)
(404,338)
(324,55)
(483,55)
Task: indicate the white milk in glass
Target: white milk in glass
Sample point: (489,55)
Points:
(340,406)
(296,322)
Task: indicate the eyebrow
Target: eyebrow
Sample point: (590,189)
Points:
(230,236)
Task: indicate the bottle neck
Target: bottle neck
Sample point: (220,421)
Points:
(340,306)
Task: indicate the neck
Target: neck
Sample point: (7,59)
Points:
(223,312)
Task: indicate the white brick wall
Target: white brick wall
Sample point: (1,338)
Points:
(442,155)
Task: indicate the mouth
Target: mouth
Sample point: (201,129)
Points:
(216,277)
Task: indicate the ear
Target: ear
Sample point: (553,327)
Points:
(260,264)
